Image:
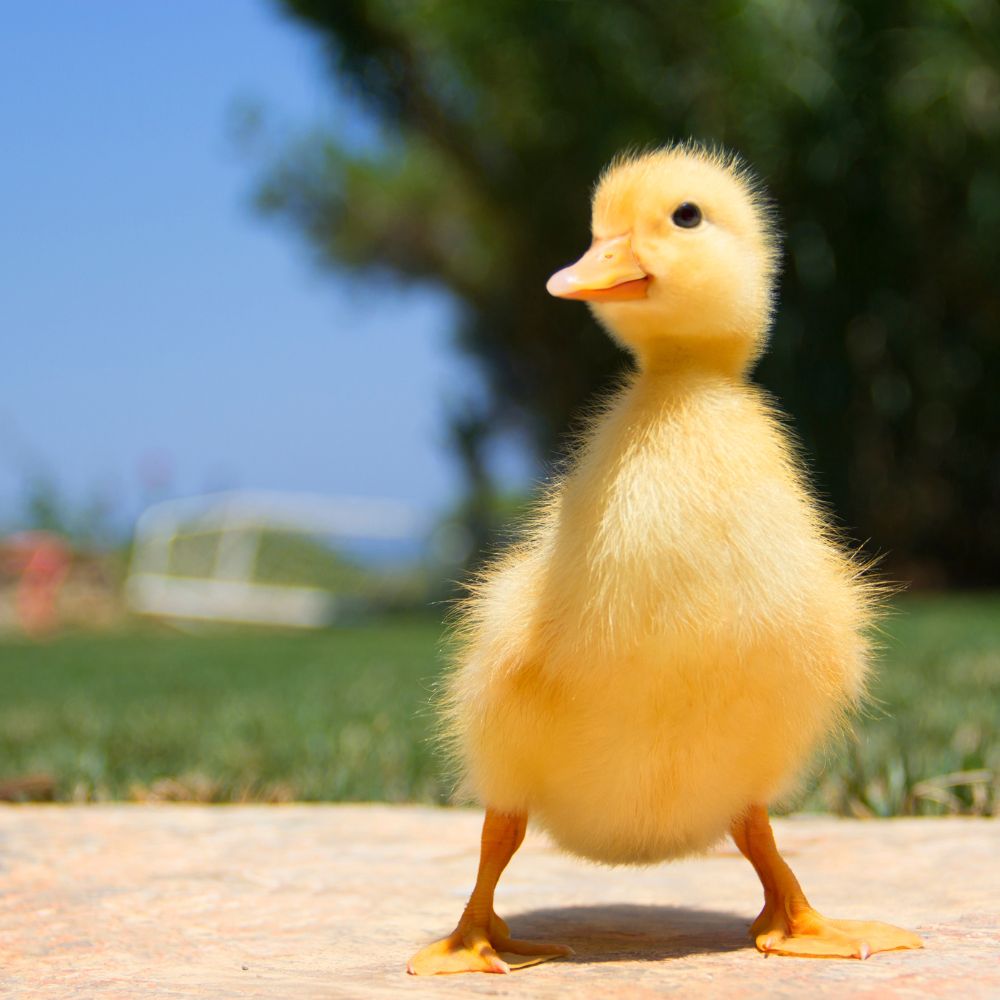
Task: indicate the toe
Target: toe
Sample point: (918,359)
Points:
(534,947)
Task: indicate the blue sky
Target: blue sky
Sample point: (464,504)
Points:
(148,316)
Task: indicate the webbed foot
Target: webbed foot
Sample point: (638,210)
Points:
(472,948)
(809,934)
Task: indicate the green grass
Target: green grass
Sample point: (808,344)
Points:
(929,741)
(344,715)
(245,715)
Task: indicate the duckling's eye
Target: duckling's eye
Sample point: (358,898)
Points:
(687,216)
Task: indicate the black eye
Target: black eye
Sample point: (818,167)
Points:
(687,216)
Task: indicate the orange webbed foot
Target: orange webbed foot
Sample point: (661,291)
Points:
(788,925)
(472,948)
(808,934)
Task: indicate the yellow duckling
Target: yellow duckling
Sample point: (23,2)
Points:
(655,663)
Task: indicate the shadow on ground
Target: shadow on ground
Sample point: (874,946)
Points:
(629,933)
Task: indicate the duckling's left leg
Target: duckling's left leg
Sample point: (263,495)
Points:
(481,942)
(788,925)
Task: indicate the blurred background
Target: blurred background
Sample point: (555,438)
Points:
(279,367)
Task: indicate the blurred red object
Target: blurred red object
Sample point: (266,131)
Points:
(40,560)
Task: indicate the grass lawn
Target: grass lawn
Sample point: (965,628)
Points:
(345,715)
(237,715)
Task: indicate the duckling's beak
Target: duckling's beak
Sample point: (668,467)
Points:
(608,271)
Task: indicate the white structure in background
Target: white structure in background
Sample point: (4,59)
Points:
(229,592)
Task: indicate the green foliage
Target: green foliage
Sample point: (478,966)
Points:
(45,508)
(876,125)
(346,715)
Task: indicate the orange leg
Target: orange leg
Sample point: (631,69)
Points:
(788,925)
(481,938)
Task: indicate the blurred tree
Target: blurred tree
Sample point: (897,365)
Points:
(45,508)
(876,125)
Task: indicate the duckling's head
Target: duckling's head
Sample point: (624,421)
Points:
(683,262)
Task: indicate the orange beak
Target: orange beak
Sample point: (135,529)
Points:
(607,272)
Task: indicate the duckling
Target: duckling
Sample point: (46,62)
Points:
(655,662)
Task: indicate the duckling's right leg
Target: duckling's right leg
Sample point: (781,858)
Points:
(475,945)
(788,925)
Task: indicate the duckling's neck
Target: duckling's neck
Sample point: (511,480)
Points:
(710,356)
(658,391)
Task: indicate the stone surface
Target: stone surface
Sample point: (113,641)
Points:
(329,901)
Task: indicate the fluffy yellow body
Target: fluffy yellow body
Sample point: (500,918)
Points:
(673,639)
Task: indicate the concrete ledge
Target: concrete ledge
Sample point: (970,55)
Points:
(329,901)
